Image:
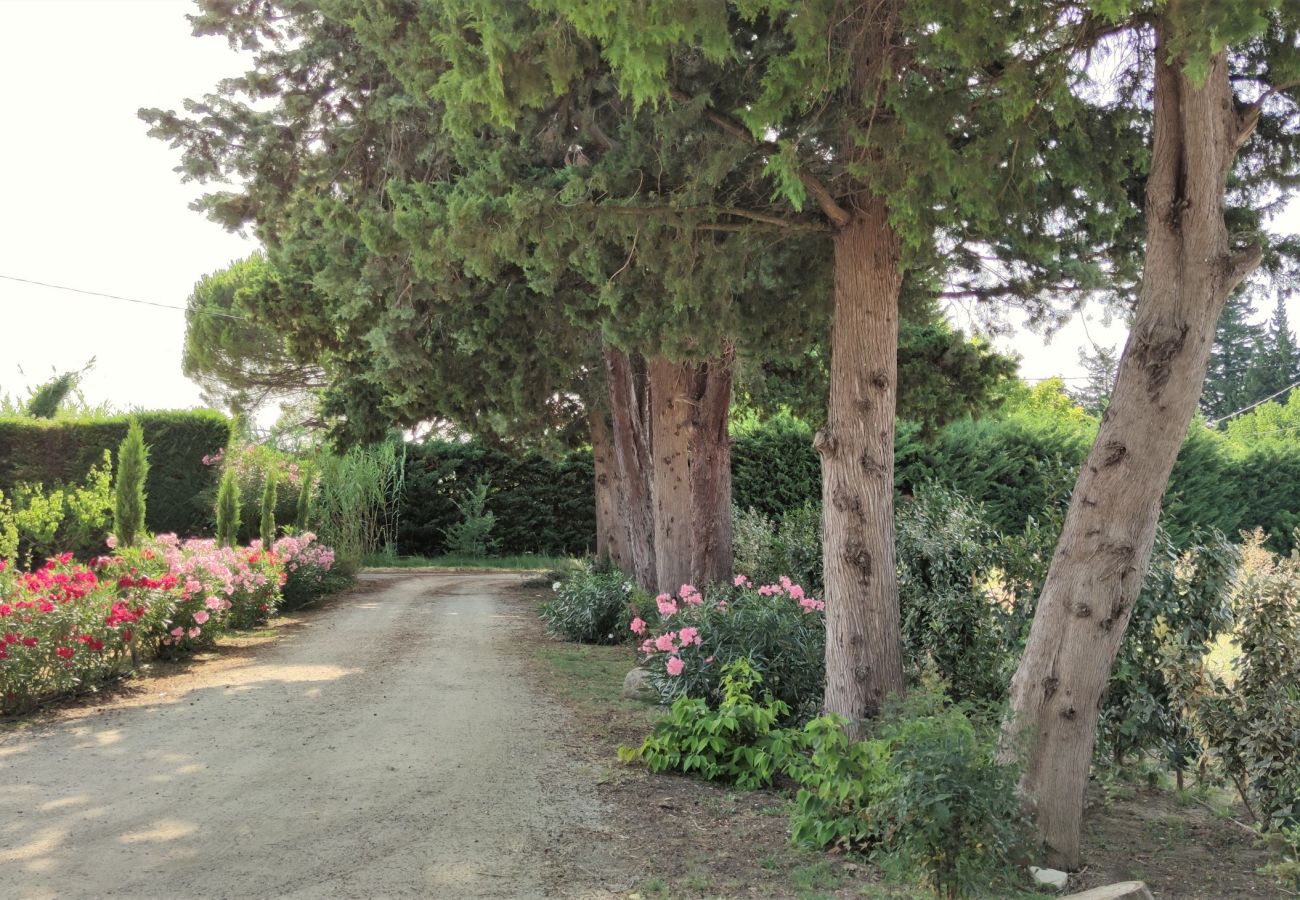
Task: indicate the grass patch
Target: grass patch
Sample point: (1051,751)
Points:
(527,561)
(589,674)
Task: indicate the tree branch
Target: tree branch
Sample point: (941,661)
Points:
(678,211)
(1248,118)
(838,215)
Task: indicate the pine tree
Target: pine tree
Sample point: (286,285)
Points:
(128,489)
(1100,367)
(228,509)
(269,492)
(1236,340)
(1275,364)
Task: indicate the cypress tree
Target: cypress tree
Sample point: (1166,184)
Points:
(228,509)
(1276,363)
(128,490)
(302,516)
(1236,341)
(268,510)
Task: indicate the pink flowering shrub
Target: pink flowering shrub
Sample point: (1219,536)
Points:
(308,568)
(66,627)
(778,628)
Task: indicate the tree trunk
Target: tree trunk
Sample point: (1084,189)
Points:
(629,413)
(1105,544)
(863,640)
(609,538)
(711,551)
(671,414)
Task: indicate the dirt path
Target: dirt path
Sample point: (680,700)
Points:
(389,746)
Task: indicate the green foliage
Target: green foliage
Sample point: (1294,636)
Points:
(8,530)
(71,518)
(738,742)
(590,605)
(540,505)
(128,488)
(1247,721)
(228,514)
(267,520)
(791,545)
(48,398)
(302,509)
(925,795)
(471,536)
(359,498)
(179,485)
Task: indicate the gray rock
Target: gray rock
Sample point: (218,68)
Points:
(1124,890)
(636,686)
(1052,878)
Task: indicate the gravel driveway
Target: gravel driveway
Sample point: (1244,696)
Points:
(391,745)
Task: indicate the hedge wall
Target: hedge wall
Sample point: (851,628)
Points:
(62,451)
(1016,466)
(541,506)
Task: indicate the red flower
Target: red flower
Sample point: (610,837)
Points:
(30,641)
(10,638)
(65,652)
(5,608)
(126,635)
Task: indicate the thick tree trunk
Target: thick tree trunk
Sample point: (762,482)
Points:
(671,414)
(863,642)
(610,540)
(1105,544)
(711,551)
(629,413)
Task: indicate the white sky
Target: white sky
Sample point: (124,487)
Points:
(89,201)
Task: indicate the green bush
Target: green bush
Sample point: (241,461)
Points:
(777,629)
(590,605)
(68,519)
(471,536)
(789,544)
(61,452)
(228,514)
(739,741)
(128,487)
(924,795)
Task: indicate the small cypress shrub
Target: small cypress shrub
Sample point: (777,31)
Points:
(129,495)
(228,509)
(302,518)
(268,510)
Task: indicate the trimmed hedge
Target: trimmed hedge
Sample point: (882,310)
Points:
(1017,466)
(179,485)
(541,505)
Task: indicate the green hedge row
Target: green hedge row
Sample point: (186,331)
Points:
(63,451)
(1016,466)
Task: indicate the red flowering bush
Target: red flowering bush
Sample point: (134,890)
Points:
(64,628)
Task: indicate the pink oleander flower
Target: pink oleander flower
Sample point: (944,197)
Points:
(675,666)
(195,632)
(741,581)
(665,642)
(796,592)
(111,542)
(638,625)
(667,605)
(647,646)
(177,632)
(689,635)
(213,603)
(201,616)
(786,583)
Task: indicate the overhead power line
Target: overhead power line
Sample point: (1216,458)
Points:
(156,305)
(1230,415)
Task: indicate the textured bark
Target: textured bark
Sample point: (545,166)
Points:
(1105,544)
(610,540)
(711,551)
(671,414)
(863,640)
(629,414)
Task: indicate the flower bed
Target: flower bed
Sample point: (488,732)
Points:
(68,627)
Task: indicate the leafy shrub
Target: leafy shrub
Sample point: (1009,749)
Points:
(737,742)
(789,544)
(8,530)
(471,535)
(72,519)
(308,568)
(778,629)
(228,513)
(1248,722)
(590,605)
(358,500)
(924,795)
